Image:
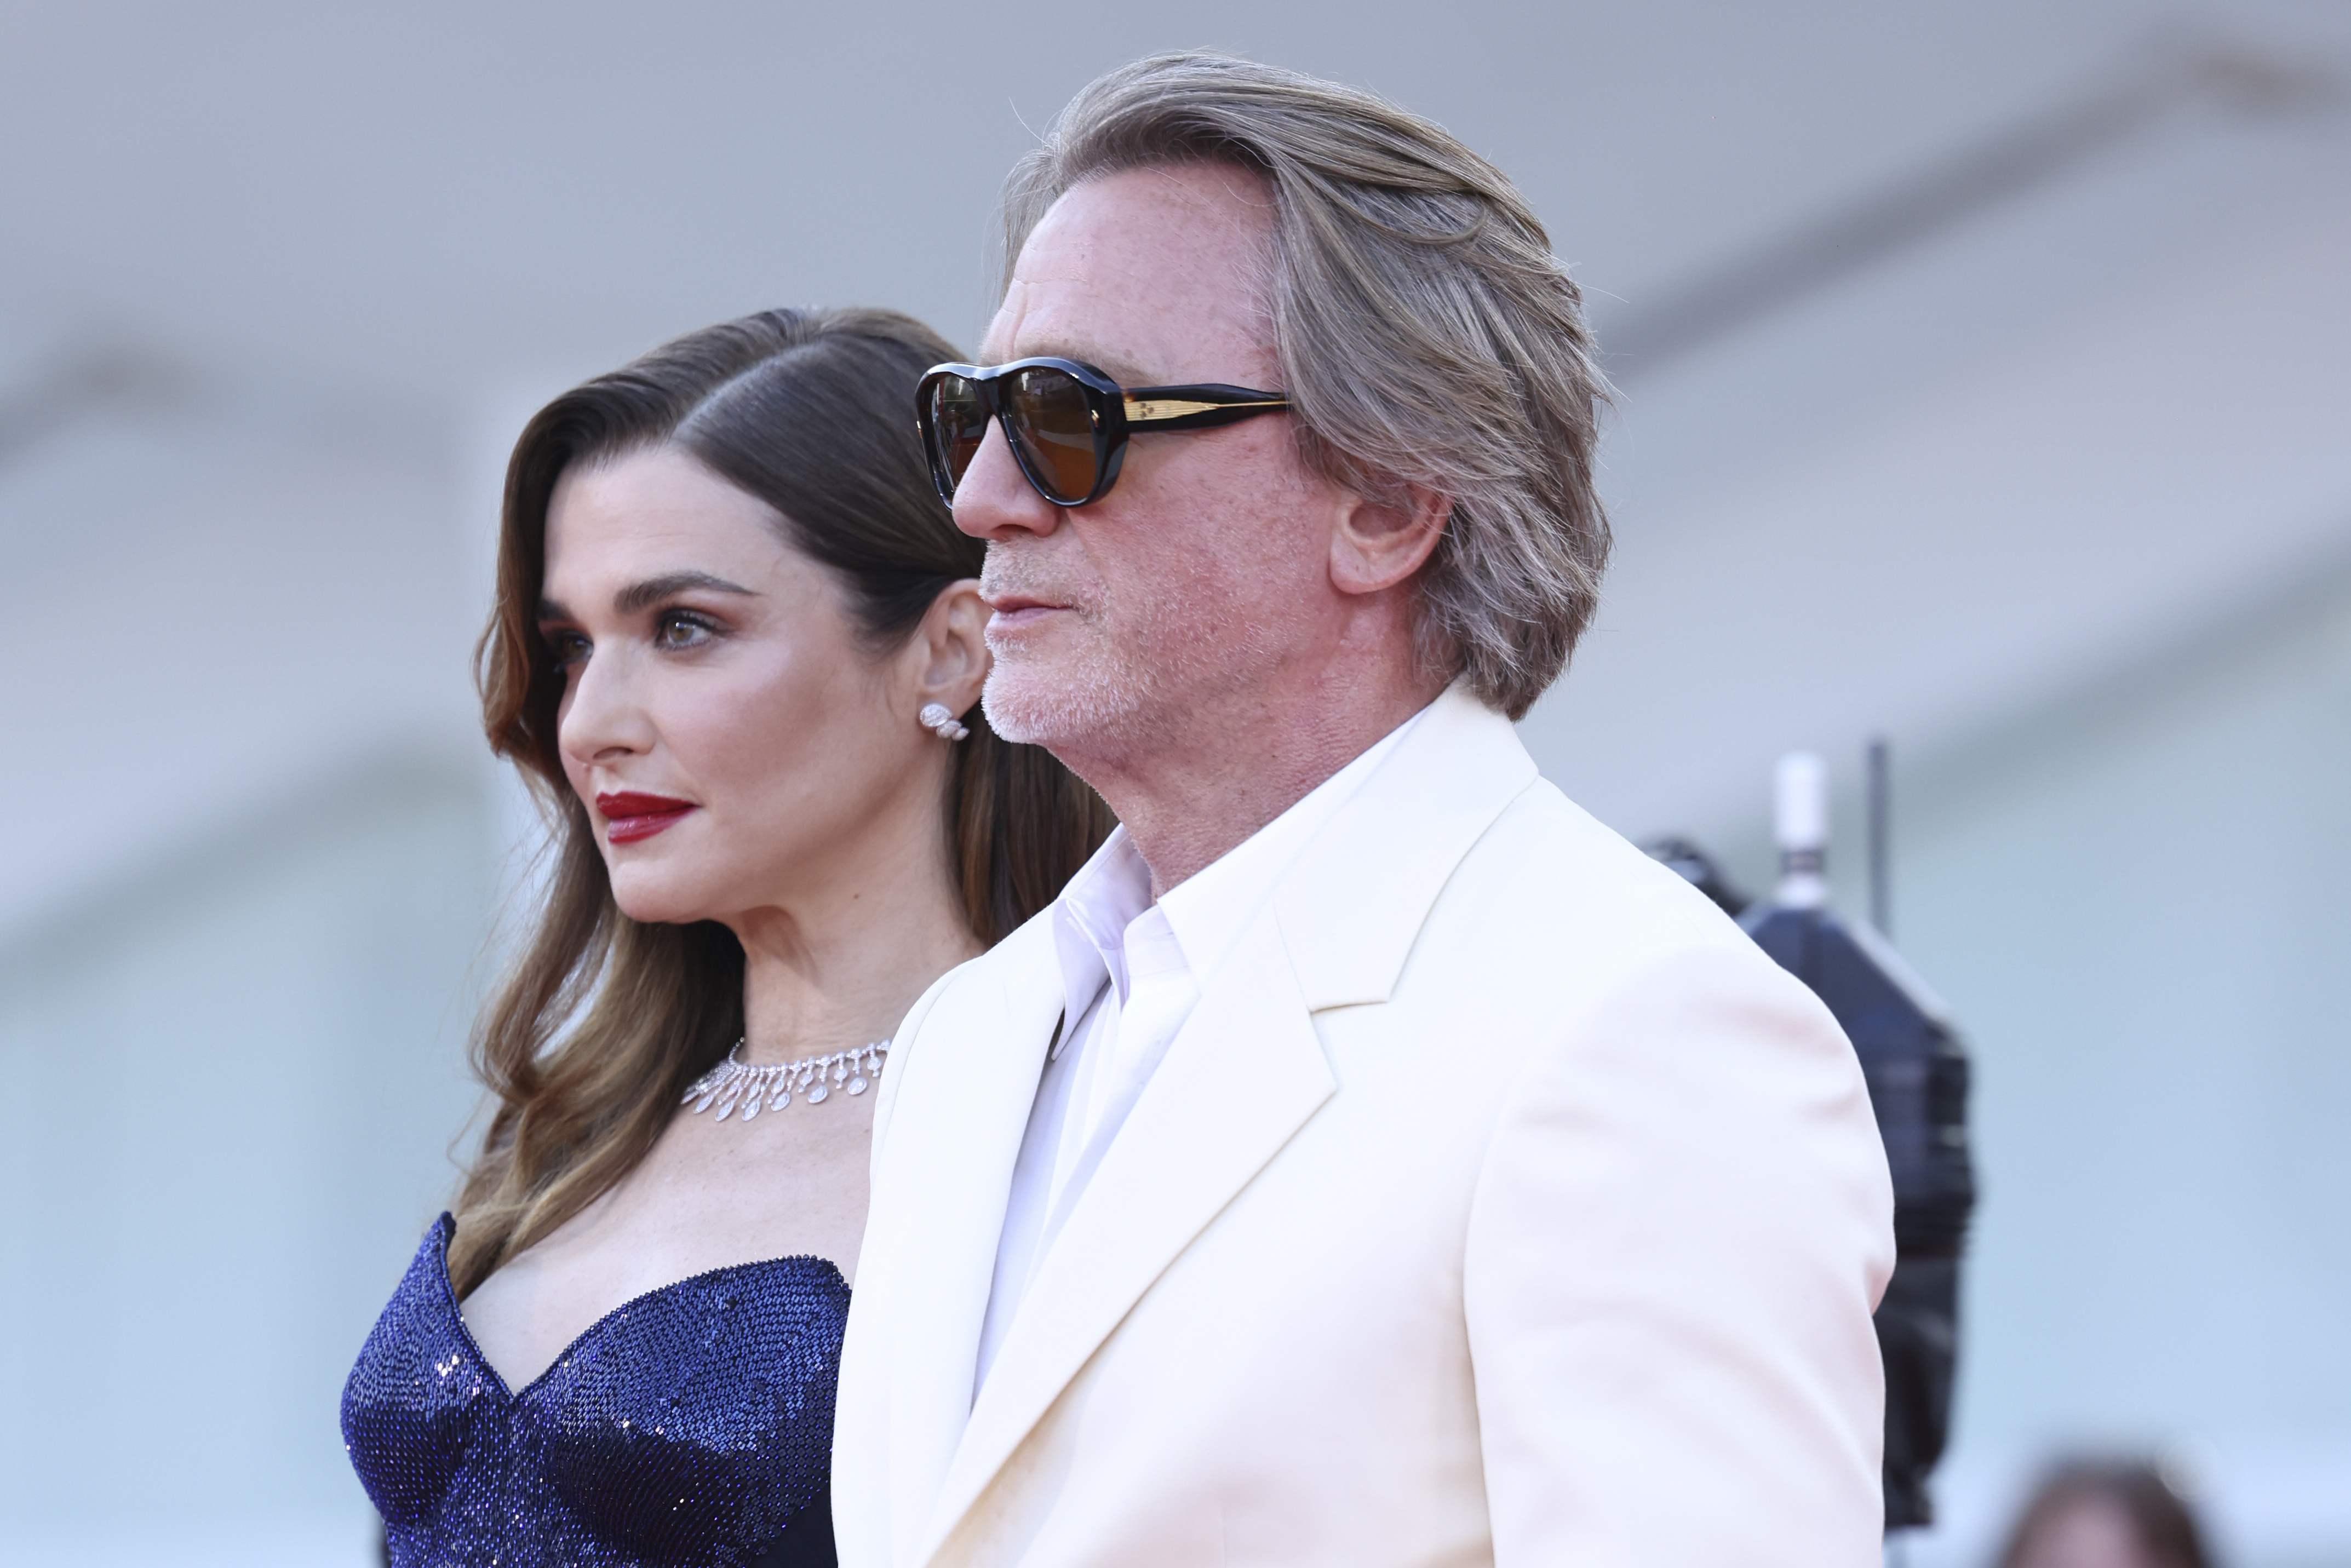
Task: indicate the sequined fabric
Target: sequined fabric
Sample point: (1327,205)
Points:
(689,1428)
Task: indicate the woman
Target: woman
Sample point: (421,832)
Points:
(737,651)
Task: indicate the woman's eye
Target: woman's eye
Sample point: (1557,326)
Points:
(568,648)
(677,629)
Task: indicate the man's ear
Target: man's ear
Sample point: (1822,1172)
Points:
(1378,545)
(949,649)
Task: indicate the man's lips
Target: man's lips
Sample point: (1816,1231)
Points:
(1015,610)
(629,816)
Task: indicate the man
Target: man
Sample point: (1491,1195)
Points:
(1371,1159)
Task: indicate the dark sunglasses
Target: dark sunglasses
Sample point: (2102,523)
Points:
(1067,422)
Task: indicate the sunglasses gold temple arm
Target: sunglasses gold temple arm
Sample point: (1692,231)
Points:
(1158,408)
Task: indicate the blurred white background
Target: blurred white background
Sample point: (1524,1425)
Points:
(1986,379)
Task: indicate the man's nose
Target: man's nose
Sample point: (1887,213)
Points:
(995,500)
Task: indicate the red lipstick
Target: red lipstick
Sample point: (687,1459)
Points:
(630,816)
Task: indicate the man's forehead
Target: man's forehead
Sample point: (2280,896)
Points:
(1151,273)
(1035,321)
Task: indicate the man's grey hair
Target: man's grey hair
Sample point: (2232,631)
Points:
(1428,336)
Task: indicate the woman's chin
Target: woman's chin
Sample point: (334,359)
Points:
(659,901)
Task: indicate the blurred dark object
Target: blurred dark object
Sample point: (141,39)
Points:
(1917,1072)
(1697,868)
(1918,1077)
(2088,1514)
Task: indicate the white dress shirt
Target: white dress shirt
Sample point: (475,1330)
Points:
(1132,971)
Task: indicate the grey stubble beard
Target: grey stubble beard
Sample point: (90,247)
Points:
(1077,703)
(1117,697)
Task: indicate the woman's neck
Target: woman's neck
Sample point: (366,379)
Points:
(837,968)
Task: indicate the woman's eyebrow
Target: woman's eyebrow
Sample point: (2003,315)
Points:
(642,595)
(653,589)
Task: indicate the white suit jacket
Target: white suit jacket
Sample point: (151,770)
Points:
(1499,1202)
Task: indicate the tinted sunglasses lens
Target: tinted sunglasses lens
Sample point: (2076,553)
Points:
(957,419)
(1050,417)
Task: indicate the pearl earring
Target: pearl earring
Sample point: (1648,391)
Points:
(935,718)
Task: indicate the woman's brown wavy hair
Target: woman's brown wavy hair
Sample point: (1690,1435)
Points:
(603,1021)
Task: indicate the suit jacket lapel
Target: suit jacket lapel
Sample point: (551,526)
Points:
(1355,903)
(1245,1074)
(960,1114)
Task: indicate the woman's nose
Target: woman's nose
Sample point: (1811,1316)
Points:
(995,498)
(602,715)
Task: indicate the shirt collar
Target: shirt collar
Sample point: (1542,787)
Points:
(1210,910)
(1090,922)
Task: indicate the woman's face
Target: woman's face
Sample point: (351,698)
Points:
(738,751)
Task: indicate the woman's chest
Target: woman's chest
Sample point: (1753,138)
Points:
(708,1197)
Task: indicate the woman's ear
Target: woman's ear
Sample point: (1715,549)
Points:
(1378,544)
(949,649)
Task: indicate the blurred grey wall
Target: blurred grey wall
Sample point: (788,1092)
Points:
(1982,385)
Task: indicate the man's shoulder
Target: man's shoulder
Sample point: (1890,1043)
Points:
(982,997)
(1550,846)
(1554,926)
(1558,881)
(1013,965)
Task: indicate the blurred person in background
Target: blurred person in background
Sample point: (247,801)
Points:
(2106,1515)
(1371,1160)
(736,652)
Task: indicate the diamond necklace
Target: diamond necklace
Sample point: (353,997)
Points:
(735,1085)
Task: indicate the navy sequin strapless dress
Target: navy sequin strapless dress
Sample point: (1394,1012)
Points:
(689,1428)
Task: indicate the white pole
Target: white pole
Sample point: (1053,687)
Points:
(1800,818)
